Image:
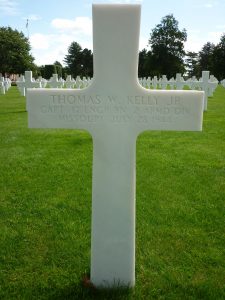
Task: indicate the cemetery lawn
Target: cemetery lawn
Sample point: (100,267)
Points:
(45,210)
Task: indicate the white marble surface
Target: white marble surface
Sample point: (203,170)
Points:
(115,109)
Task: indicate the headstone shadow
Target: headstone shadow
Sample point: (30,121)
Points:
(79,291)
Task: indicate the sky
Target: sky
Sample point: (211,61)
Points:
(53,25)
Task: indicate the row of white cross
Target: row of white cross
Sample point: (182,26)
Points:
(206,83)
(26,81)
(179,82)
(5,84)
(163,83)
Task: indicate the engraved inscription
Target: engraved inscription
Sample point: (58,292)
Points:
(150,109)
(143,100)
(75,99)
(132,108)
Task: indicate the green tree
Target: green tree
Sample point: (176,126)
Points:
(191,63)
(49,70)
(218,59)
(206,58)
(87,63)
(167,46)
(73,59)
(145,64)
(41,71)
(59,68)
(14,52)
(79,61)
(65,72)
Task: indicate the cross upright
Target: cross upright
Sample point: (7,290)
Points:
(54,82)
(213,82)
(164,82)
(115,109)
(69,83)
(179,82)
(2,84)
(204,84)
(2,87)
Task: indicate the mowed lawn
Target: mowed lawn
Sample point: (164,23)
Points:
(45,210)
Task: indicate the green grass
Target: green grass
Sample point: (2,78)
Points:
(45,210)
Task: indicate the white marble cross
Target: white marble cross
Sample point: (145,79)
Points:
(164,82)
(223,82)
(204,83)
(115,109)
(54,82)
(27,83)
(70,82)
(213,83)
(2,87)
(155,82)
(179,82)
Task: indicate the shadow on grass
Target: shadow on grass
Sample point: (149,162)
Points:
(13,112)
(81,139)
(79,291)
(81,142)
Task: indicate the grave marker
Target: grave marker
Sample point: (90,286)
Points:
(2,85)
(79,82)
(164,82)
(213,82)
(43,81)
(54,82)
(204,83)
(155,82)
(69,83)
(27,83)
(179,82)
(2,88)
(223,82)
(115,109)
(21,85)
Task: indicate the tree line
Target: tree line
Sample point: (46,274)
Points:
(167,56)
(164,55)
(210,58)
(79,62)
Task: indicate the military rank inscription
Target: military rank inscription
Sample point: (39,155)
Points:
(98,108)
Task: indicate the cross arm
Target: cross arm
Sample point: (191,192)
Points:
(167,109)
(54,108)
(135,110)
